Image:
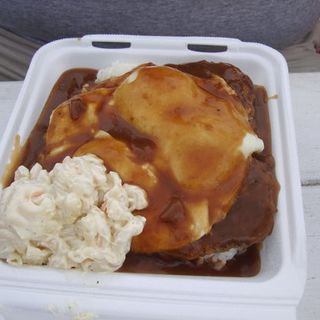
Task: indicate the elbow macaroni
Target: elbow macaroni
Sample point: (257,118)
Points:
(76,216)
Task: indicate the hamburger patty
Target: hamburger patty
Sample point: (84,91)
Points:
(251,218)
(249,221)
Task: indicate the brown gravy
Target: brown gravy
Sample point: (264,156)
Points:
(245,265)
(70,84)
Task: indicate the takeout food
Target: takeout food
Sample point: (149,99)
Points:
(189,135)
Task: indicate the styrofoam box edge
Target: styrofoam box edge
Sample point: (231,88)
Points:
(281,281)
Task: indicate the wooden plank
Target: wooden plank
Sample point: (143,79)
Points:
(9,91)
(309,308)
(305,92)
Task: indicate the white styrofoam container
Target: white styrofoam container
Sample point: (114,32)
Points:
(43,293)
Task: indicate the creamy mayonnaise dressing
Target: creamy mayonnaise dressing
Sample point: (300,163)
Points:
(75,216)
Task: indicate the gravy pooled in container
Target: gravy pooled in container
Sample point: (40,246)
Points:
(196,137)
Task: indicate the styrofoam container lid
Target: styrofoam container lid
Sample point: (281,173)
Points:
(44,293)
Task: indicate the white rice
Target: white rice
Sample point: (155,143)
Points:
(116,69)
(219,259)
